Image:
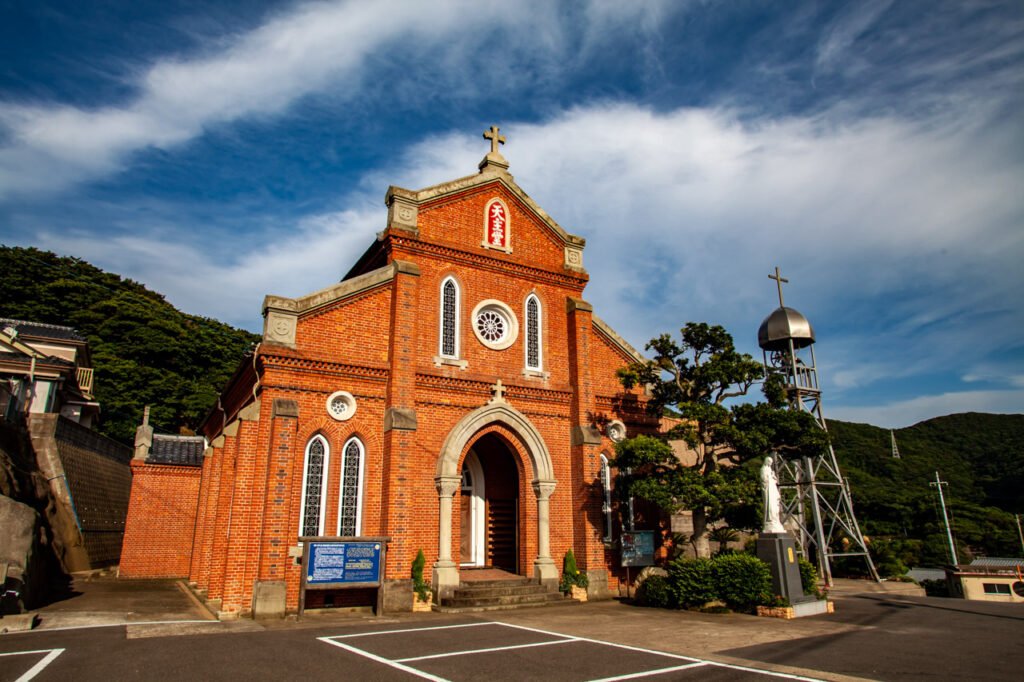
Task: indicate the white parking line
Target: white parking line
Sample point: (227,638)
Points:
(486,651)
(399,663)
(38,667)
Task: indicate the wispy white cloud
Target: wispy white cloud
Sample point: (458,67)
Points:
(313,47)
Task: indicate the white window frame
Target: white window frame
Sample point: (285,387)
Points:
(540,334)
(606,497)
(359,488)
(323,484)
(458,315)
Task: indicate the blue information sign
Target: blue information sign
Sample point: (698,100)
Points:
(638,548)
(343,562)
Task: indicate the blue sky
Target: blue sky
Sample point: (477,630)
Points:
(874,151)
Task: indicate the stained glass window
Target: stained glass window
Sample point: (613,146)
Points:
(606,506)
(449,318)
(351,488)
(532,333)
(313,487)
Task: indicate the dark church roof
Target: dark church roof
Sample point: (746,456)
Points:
(177,450)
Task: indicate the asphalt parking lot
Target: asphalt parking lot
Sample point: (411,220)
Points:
(135,631)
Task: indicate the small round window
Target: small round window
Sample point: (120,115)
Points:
(495,324)
(341,405)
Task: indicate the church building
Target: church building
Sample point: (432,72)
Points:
(453,393)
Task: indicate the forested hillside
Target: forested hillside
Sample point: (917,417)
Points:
(980,455)
(145,351)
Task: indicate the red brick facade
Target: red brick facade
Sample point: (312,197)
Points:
(161,522)
(376,335)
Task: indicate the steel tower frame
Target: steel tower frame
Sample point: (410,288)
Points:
(813,486)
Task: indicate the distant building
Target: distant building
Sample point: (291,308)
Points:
(47,405)
(988,579)
(45,368)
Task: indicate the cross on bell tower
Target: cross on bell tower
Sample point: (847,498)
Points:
(779,279)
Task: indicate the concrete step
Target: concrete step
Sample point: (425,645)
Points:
(508,593)
(499,590)
(445,608)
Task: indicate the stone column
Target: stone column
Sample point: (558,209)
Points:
(446,572)
(543,566)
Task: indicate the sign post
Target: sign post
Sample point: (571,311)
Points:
(637,550)
(334,563)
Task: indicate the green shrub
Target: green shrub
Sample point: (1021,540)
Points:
(419,586)
(935,588)
(571,575)
(690,581)
(808,577)
(656,591)
(741,581)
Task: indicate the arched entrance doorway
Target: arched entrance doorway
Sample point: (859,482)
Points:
(536,462)
(489,506)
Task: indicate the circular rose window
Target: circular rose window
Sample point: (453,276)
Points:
(341,405)
(495,324)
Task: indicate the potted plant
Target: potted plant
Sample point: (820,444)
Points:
(574,583)
(420,588)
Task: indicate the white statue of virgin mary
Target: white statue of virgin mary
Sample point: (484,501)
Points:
(772,500)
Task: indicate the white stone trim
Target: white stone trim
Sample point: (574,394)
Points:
(507,248)
(458,319)
(323,484)
(539,367)
(504,311)
(359,488)
(345,398)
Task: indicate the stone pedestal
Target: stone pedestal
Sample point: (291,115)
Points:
(779,551)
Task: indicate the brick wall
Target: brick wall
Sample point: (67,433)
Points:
(161,523)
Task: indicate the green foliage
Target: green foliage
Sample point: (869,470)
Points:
(571,575)
(690,581)
(935,588)
(742,581)
(420,586)
(980,455)
(144,351)
(723,535)
(656,591)
(808,576)
(692,380)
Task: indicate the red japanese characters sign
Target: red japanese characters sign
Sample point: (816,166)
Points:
(497,224)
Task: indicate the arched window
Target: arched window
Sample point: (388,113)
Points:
(533,333)
(449,332)
(350,502)
(606,505)
(314,487)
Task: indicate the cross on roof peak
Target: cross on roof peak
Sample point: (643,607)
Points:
(779,279)
(495,138)
(498,390)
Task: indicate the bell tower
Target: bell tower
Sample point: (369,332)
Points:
(811,487)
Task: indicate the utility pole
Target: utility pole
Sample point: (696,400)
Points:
(945,519)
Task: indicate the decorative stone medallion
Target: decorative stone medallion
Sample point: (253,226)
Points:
(616,431)
(341,405)
(494,324)
(574,257)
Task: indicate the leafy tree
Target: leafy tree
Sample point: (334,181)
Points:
(694,379)
(144,351)
(723,535)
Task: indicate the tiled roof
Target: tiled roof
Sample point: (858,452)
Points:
(997,562)
(177,450)
(40,330)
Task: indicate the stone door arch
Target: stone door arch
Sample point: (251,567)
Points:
(448,478)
